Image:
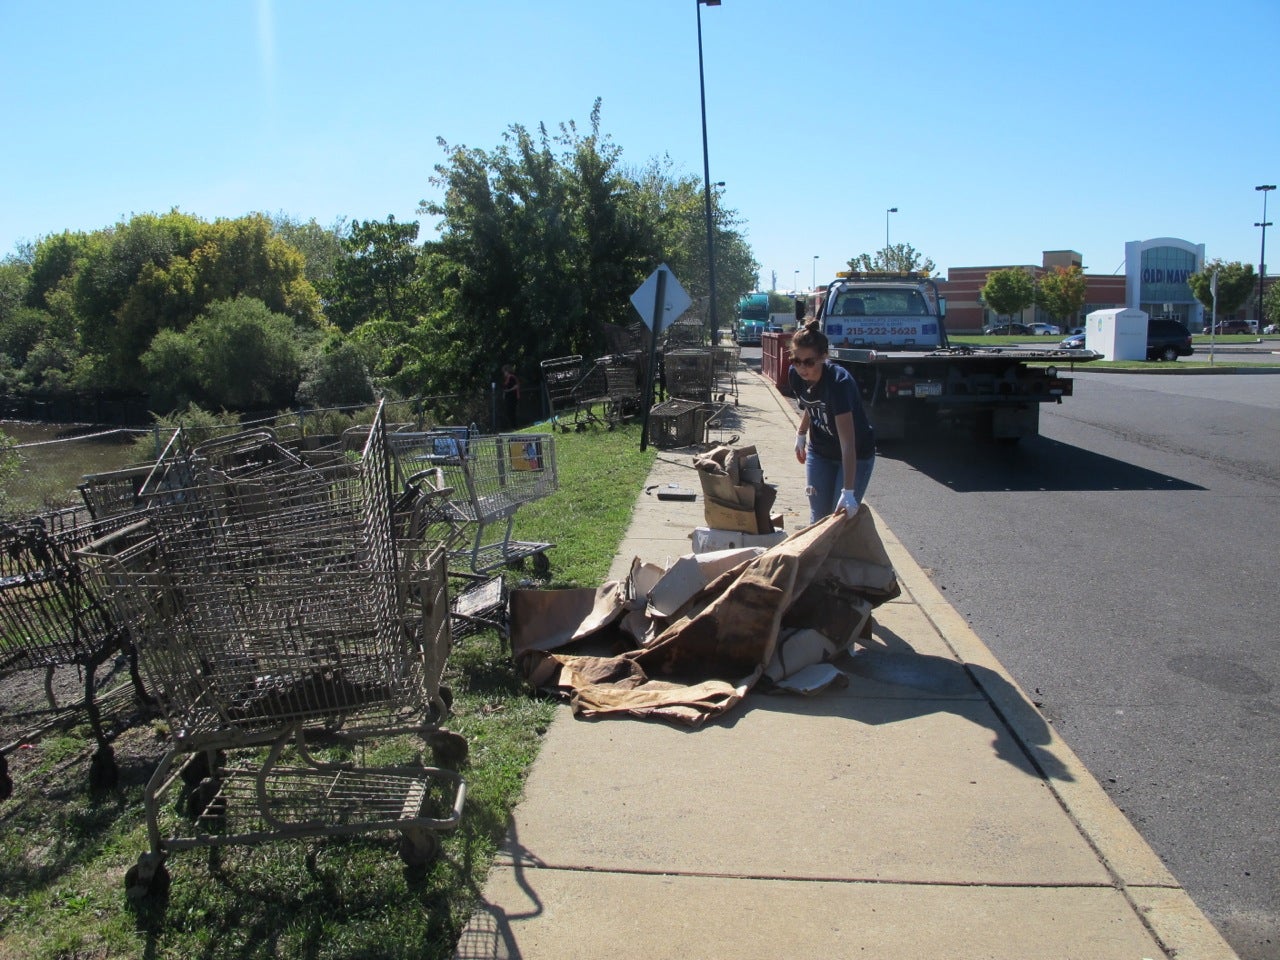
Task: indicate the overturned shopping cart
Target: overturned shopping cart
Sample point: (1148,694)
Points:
(50,618)
(285,631)
(488,477)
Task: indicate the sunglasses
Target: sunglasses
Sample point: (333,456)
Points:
(805,361)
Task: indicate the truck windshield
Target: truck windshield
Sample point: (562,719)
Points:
(881,303)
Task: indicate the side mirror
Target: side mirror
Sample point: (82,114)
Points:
(942,306)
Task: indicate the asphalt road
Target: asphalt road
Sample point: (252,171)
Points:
(1123,566)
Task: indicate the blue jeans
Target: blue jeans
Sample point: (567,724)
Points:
(825,479)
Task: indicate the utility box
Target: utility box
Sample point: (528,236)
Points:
(1118,334)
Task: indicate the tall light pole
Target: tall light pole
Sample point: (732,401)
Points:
(814,285)
(706,179)
(1262,257)
(886,228)
(795,282)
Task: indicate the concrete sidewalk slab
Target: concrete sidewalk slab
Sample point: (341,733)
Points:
(927,809)
(575,915)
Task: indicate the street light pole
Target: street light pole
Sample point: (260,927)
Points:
(886,229)
(813,286)
(706,179)
(1262,257)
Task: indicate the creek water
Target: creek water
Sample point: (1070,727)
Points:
(55,456)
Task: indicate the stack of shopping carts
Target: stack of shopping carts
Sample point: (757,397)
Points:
(50,618)
(274,607)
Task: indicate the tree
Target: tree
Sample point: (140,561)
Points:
(110,292)
(1271,305)
(542,241)
(335,376)
(898,258)
(1009,291)
(1235,282)
(1062,292)
(376,275)
(172,365)
(248,357)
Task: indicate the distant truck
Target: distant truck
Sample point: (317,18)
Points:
(890,331)
(752,319)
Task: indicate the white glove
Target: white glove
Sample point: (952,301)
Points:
(848,502)
(802,445)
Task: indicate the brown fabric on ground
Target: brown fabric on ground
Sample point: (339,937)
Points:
(722,638)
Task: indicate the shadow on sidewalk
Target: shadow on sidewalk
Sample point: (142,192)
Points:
(891,683)
(488,934)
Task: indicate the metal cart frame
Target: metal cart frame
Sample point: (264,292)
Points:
(272,606)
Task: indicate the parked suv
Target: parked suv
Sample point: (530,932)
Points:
(1167,340)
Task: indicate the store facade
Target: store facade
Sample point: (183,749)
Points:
(1156,274)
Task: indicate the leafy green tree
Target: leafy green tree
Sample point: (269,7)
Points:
(110,292)
(1235,282)
(1271,305)
(1062,292)
(321,247)
(172,365)
(897,258)
(542,241)
(1009,291)
(249,357)
(336,376)
(376,275)
(676,206)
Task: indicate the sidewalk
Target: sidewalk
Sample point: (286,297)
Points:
(925,811)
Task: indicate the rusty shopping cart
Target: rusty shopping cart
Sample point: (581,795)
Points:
(51,618)
(278,619)
(489,478)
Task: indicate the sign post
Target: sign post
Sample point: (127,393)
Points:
(659,301)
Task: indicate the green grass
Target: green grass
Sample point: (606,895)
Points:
(64,850)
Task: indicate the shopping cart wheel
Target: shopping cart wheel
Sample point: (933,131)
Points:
(198,767)
(541,565)
(448,749)
(419,847)
(104,774)
(149,877)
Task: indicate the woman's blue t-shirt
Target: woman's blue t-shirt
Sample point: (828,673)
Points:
(836,392)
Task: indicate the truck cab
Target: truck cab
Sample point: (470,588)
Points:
(881,312)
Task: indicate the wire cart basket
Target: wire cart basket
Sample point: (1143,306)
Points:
(689,373)
(274,610)
(726,359)
(489,478)
(561,379)
(50,617)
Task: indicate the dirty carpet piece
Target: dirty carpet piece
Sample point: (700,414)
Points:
(550,619)
(721,639)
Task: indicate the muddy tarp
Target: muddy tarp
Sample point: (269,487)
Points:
(714,649)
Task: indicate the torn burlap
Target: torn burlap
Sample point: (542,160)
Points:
(721,639)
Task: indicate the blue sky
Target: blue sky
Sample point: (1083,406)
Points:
(997,129)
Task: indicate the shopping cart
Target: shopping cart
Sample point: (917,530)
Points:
(690,373)
(725,361)
(50,618)
(560,377)
(274,610)
(488,478)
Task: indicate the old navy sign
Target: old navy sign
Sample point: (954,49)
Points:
(1157,275)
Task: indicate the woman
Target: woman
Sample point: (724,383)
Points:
(834,441)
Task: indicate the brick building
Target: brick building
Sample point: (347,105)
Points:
(966,315)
